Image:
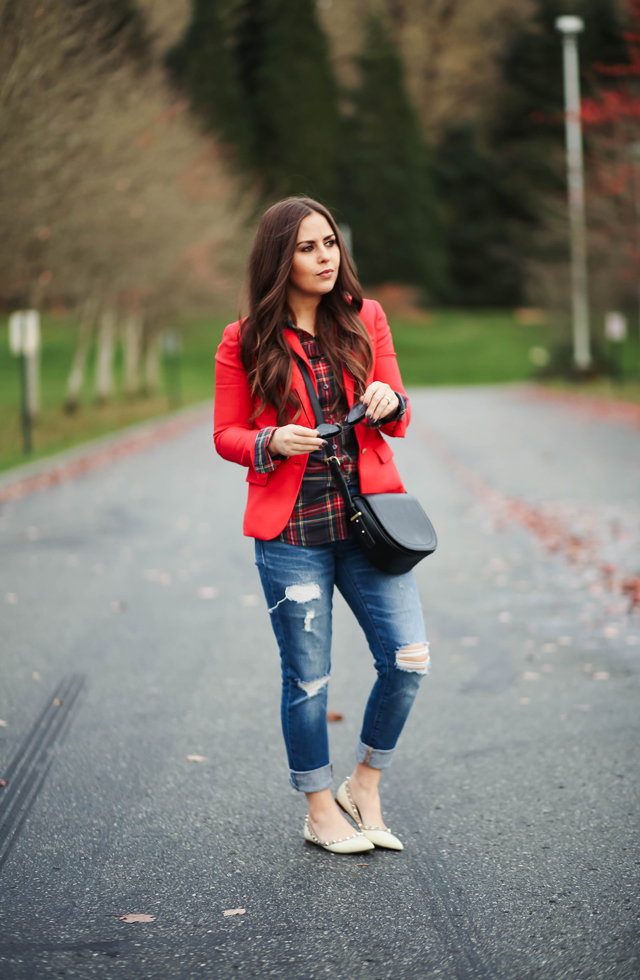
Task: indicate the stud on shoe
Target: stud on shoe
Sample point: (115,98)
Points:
(345,845)
(380,836)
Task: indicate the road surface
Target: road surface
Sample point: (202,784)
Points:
(130,597)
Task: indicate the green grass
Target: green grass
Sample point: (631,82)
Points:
(457,347)
(55,429)
(447,348)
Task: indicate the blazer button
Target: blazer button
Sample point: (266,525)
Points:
(364,450)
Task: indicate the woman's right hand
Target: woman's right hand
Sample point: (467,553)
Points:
(294,440)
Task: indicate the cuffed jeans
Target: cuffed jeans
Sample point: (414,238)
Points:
(298,584)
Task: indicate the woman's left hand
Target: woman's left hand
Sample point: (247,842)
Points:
(380,400)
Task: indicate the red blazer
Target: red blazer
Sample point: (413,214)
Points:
(272,496)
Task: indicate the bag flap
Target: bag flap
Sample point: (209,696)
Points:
(403,520)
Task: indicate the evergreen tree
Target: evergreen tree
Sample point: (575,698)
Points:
(495,192)
(529,129)
(482,218)
(203,64)
(387,192)
(289,96)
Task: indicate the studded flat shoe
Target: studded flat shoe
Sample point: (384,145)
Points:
(344,845)
(380,836)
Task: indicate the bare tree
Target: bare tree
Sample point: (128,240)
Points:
(107,188)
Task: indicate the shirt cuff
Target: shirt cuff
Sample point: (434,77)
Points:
(395,416)
(263,461)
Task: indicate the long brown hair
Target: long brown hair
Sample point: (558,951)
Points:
(264,351)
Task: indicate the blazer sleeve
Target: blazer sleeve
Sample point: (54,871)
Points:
(386,369)
(233,434)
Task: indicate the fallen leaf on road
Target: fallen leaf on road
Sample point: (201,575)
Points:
(207,592)
(58,702)
(3,724)
(565,641)
(531,675)
(196,758)
(35,675)
(601,675)
(249,600)
(133,917)
(334,716)
(234,912)
(548,648)
(524,700)
(11,598)
(362,865)
(3,782)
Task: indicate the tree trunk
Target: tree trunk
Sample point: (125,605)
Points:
(104,386)
(75,381)
(132,336)
(152,371)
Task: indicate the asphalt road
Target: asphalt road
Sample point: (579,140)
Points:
(131,597)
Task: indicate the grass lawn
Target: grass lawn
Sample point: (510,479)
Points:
(449,347)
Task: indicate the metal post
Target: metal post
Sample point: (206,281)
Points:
(570,27)
(635,147)
(25,412)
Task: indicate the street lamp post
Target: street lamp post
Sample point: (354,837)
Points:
(635,148)
(570,27)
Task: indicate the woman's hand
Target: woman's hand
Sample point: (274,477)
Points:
(380,401)
(294,440)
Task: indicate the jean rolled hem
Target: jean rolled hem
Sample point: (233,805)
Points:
(374,758)
(312,781)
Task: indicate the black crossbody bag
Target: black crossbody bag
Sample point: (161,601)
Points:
(392,529)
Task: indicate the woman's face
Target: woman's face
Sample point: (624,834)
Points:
(316,259)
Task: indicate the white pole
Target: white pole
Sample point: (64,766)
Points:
(570,27)
(635,147)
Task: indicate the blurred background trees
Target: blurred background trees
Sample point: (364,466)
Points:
(142,138)
(433,129)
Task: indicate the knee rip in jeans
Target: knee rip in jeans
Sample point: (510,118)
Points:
(301,593)
(414,658)
(312,687)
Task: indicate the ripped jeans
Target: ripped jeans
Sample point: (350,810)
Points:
(298,584)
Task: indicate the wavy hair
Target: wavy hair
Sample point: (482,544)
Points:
(264,350)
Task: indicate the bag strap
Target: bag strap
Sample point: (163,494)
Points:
(352,512)
(311,390)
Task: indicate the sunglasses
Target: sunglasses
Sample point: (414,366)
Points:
(357,413)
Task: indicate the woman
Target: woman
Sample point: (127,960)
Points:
(305,301)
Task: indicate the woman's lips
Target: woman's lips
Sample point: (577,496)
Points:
(325,274)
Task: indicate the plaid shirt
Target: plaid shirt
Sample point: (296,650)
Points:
(318,515)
